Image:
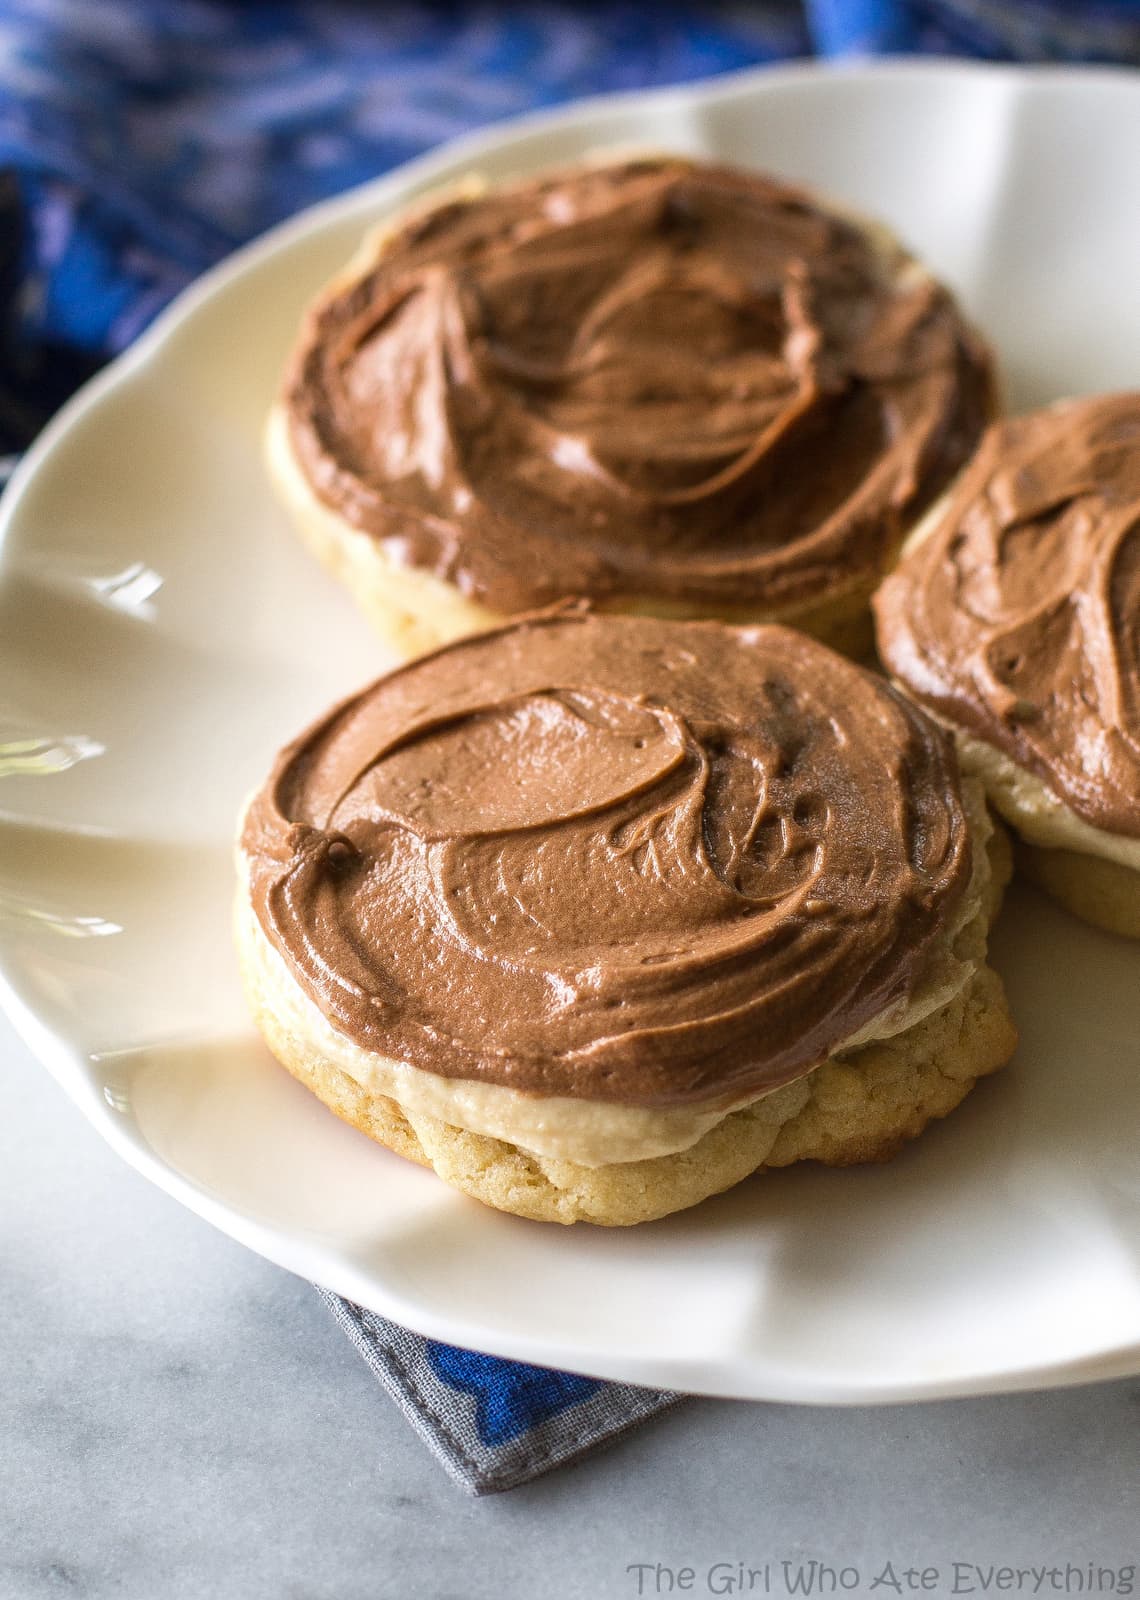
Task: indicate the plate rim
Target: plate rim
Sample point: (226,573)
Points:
(731,1377)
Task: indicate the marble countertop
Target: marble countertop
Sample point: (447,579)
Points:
(181,1419)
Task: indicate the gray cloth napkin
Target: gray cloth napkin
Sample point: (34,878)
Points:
(492,1424)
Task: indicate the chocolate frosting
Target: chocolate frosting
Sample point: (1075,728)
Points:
(1018,616)
(652,379)
(622,859)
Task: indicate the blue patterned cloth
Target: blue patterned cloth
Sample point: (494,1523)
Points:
(140,140)
(493,1424)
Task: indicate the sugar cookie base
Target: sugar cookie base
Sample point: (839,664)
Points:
(1102,892)
(862,1109)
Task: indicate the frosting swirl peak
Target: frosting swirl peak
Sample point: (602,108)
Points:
(651,379)
(621,859)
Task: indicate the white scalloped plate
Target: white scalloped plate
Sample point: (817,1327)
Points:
(161,634)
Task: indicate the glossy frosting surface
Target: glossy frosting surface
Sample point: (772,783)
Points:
(629,860)
(650,379)
(1018,617)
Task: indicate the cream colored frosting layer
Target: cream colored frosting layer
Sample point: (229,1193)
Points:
(1039,815)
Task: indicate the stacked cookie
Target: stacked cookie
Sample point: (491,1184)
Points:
(629,887)
(678,390)
(1014,617)
(597,915)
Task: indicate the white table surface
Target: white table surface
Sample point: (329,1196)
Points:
(179,1418)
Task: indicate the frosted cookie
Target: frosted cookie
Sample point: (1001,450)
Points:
(672,389)
(596,916)
(1015,617)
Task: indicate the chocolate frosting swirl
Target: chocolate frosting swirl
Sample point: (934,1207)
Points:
(1019,616)
(622,859)
(652,379)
